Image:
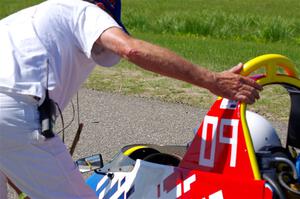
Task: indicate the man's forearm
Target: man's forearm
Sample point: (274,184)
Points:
(165,62)
(155,58)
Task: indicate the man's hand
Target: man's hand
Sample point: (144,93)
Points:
(231,85)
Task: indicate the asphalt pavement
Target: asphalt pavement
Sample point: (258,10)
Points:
(113,120)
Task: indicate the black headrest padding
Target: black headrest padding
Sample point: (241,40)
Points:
(293,138)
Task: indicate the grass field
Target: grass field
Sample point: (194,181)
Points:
(236,20)
(215,34)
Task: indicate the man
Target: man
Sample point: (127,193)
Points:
(54,46)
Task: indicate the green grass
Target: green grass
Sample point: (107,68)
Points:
(266,21)
(215,34)
(268,8)
(10,6)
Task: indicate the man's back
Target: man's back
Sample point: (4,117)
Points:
(52,48)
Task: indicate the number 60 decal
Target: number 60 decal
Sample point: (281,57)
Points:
(211,120)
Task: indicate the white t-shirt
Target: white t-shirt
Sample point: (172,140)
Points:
(50,46)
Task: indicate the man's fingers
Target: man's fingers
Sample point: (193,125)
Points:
(248,99)
(250,91)
(247,94)
(237,87)
(255,94)
(252,83)
(237,69)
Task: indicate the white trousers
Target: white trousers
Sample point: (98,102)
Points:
(42,168)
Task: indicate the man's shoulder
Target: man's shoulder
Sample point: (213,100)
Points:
(67,8)
(69,3)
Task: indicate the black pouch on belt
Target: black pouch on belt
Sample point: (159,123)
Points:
(47,111)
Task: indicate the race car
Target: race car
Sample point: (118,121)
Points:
(235,153)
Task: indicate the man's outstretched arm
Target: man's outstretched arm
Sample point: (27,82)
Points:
(160,60)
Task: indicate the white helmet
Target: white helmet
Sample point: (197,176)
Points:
(262,132)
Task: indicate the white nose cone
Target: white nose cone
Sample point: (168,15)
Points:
(262,132)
